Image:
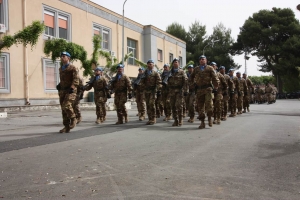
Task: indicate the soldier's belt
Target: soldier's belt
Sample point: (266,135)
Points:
(204,86)
(100,90)
(175,87)
(150,88)
(120,91)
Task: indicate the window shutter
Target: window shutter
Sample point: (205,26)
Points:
(48,19)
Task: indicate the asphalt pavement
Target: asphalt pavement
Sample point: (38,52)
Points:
(253,156)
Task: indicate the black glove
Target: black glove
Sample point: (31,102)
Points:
(81,96)
(246,93)
(185,94)
(215,91)
(225,93)
(108,95)
(158,93)
(58,87)
(129,95)
(71,90)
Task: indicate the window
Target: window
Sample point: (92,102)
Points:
(57,23)
(170,57)
(131,47)
(4,13)
(105,35)
(4,73)
(51,75)
(159,55)
(180,61)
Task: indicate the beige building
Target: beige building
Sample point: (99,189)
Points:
(28,76)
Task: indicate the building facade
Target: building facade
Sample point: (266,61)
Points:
(27,76)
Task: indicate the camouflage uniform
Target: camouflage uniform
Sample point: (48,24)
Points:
(79,96)
(140,99)
(121,85)
(151,84)
(68,79)
(242,91)
(165,99)
(247,98)
(100,96)
(233,96)
(177,85)
(230,90)
(191,98)
(159,106)
(275,91)
(269,94)
(204,78)
(218,99)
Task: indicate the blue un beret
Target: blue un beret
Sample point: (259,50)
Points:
(203,56)
(238,72)
(175,59)
(222,67)
(231,70)
(99,69)
(120,66)
(190,66)
(65,53)
(141,68)
(150,61)
(166,65)
(213,63)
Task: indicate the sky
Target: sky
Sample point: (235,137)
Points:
(232,13)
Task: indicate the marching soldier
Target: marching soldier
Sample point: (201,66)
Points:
(218,99)
(99,83)
(121,84)
(233,96)
(247,98)
(190,100)
(177,84)
(140,96)
(159,103)
(151,84)
(79,96)
(206,82)
(67,88)
(231,88)
(269,93)
(243,90)
(164,94)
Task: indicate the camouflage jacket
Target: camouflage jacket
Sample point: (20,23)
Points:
(269,89)
(191,84)
(69,77)
(229,82)
(205,79)
(250,84)
(137,87)
(243,85)
(100,86)
(236,83)
(178,81)
(121,85)
(151,82)
(223,83)
(164,88)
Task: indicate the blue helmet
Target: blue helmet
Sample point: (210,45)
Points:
(65,53)
(99,69)
(202,56)
(222,67)
(190,66)
(120,66)
(150,61)
(213,63)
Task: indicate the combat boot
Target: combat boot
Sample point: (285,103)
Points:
(167,118)
(248,109)
(138,114)
(191,120)
(79,119)
(244,110)
(209,121)
(101,119)
(98,120)
(120,119)
(66,129)
(232,114)
(142,117)
(202,125)
(218,121)
(180,122)
(215,121)
(126,118)
(151,121)
(175,123)
(73,123)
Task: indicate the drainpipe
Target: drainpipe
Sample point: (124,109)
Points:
(26,85)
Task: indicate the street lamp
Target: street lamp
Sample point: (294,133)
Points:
(212,42)
(123,36)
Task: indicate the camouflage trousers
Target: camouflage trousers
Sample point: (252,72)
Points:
(247,99)
(100,101)
(166,104)
(204,103)
(240,101)
(176,101)
(258,98)
(232,102)
(140,102)
(190,104)
(76,107)
(120,100)
(269,97)
(66,101)
(225,106)
(150,98)
(159,106)
(218,100)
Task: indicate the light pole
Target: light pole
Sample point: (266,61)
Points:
(212,42)
(123,36)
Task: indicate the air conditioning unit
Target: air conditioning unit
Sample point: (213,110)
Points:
(2,28)
(112,53)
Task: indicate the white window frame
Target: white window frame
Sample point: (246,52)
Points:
(171,60)
(128,50)
(57,14)
(103,29)
(57,66)
(4,14)
(161,52)
(6,62)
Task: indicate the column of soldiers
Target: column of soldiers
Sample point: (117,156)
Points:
(203,89)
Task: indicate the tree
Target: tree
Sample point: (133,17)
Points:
(219,51)
(257,80)
(177,30)
(267,35)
